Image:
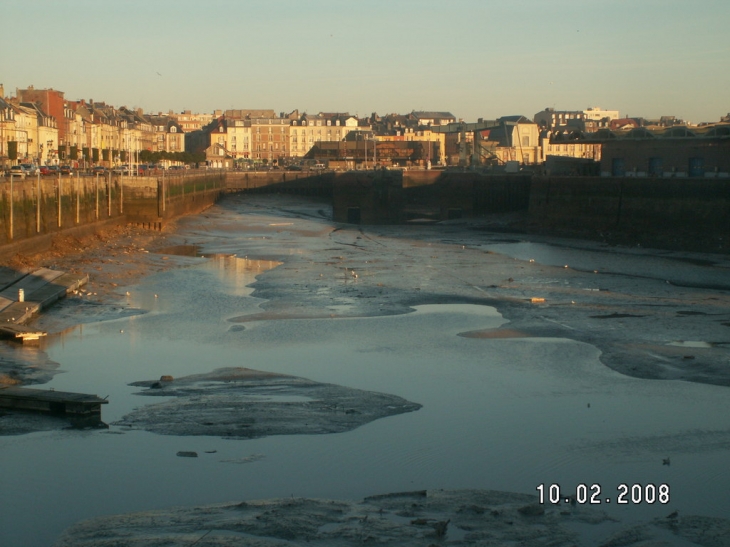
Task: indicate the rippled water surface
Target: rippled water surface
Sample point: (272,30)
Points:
(504,414)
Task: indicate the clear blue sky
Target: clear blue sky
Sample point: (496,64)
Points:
(474,58)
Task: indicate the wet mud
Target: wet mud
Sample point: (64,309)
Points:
(241,403)
(419,518)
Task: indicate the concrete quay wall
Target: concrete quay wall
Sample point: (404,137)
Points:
(34,209)
(693,211)
(385,197)
(634,208)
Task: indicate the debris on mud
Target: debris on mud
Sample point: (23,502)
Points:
(244,403)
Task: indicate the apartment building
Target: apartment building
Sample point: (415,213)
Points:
(309,129)
(44,141)
(189,122)
(7,132)
(270,139)
(515,138)
(168,136)
(432,118)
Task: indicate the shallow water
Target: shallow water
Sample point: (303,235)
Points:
(505,414)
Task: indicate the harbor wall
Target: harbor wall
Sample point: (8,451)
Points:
(34,209)
(691,212)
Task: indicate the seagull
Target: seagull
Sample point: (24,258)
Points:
(159,74)
(666,461)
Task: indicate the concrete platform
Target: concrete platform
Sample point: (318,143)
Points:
(28,295)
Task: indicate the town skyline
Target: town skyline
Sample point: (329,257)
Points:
(479,60)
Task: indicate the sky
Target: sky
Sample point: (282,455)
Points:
(473,58)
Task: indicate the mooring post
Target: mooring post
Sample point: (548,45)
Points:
(78,203)
(59,199)
(11,206)
(96,191)
(109,196)
(38,206)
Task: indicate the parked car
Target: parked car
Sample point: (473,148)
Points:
(66,170)
(30,169)
(17,171)
(46,170)
(98,170)
(121,170)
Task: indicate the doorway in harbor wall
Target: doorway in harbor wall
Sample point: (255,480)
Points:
(353,215)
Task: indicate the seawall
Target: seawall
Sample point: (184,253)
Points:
(686,213)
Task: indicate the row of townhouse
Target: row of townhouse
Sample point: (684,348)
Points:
(260,136)
(26,132)
(42,127)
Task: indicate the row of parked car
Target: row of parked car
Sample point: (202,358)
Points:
(24,170)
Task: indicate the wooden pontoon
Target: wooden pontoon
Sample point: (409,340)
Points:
(56,402)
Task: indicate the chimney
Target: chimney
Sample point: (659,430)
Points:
(2,91)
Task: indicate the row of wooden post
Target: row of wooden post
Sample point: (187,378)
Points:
(59,195)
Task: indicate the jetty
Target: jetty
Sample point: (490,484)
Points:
(55,402)
(23,295)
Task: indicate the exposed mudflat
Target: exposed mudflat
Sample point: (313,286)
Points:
(651,314)
(420,518)
(241,403)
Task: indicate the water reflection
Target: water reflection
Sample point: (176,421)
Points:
(499,412)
